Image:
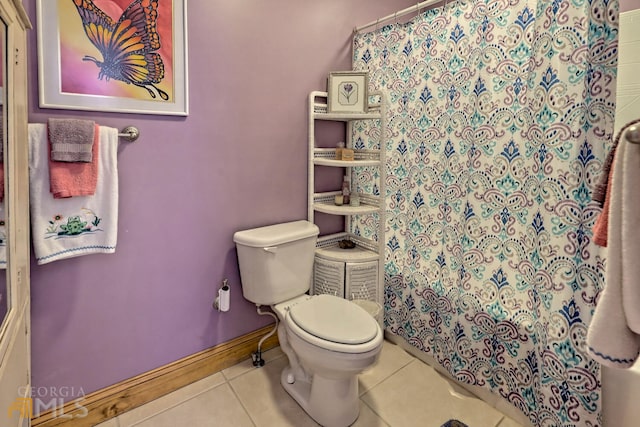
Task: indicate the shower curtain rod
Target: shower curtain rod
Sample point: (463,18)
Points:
(399,13)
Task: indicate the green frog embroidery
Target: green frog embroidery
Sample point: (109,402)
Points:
(73,226)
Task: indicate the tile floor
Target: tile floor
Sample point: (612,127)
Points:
(399,390)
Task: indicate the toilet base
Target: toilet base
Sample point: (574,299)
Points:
(322,393)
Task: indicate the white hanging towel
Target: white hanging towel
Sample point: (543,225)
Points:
(612,337)
(74,226)
(631,236)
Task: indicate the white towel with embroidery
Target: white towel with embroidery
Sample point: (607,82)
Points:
(612,337)
(631,236)
(74,226)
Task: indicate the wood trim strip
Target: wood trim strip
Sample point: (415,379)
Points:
(112,401)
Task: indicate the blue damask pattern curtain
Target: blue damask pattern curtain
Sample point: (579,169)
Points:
(500,117)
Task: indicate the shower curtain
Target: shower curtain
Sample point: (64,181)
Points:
(500,115)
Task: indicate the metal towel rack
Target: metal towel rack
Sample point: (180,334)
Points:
(131,133)
(633,134)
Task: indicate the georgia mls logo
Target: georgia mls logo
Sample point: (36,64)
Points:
(44,399)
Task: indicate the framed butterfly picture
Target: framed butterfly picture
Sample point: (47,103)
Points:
(127,56)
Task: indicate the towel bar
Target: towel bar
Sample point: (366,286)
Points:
(633,134)
(130,133)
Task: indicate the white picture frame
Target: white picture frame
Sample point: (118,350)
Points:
(348,92)
(68,77)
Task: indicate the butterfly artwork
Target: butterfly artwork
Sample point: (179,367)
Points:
(128,46)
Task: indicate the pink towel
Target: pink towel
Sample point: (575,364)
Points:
(75,179)
(601,227)
(602,191)
(602,187)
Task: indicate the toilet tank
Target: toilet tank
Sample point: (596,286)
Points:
(276,261)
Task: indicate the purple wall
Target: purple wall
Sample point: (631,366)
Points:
(627,5)
(237,161)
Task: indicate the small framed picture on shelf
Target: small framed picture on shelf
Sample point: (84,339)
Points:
(347,92)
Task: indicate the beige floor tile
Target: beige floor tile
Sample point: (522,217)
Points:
(511,412)
(368,418)
(170,400)
(113,422)
(508,422)
(417,395)
(392,358)
(247,365)
(398,391)
(266,402)
(217,407)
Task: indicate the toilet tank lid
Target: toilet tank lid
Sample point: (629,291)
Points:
(276,234)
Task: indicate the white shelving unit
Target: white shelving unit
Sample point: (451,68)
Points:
(356,273)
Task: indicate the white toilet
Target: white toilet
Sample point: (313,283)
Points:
(328,340)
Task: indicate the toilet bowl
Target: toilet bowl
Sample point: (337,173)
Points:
(328,340)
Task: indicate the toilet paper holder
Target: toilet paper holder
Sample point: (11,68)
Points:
(222,301)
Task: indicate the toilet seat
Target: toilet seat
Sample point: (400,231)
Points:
(334,324)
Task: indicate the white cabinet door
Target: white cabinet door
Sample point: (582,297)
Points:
(328,277)
(15,403)
(362,281)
